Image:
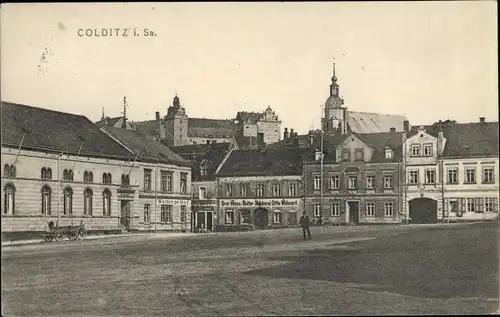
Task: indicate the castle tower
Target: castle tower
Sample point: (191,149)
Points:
(176,124)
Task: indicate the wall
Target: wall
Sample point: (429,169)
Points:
(28,184)
(271,130)
(203,140)
(290,207)
(379,195)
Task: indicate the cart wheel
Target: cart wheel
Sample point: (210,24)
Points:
(59,236)
(73,237)
(47,238)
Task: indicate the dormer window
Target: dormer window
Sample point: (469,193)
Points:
(388,153)
(415,150)
(346,154)
(427,149)
(358,154)
(204,168)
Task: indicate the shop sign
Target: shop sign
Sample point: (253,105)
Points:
(260,202)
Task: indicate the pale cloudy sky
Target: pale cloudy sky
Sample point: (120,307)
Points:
(428,60)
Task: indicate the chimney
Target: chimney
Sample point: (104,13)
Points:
(406,126)
(392,130)
(291,133)
(157,115)
(482,119)
(285,134)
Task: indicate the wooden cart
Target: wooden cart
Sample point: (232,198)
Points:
(56,233)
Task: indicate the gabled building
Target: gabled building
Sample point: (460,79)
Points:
(61,167)
(452,172)
(162,196)
(205,159)
(356,180)
(261,188)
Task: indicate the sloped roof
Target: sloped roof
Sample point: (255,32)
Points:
(108,121)
(379,141)
(148,149)
(365,122)
(266,162)
(51,130)
(151,127)
(251,117)
(210,132)
(212,154)
(466,139)
(211,123)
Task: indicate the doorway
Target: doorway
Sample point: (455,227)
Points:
(261,218)
(423,210)
(125,214)
(209,221)
(353,212)
(200,220)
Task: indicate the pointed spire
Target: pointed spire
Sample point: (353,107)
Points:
(124,124)
(334,78)
(102,115)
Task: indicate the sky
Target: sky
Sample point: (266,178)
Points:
(429,61)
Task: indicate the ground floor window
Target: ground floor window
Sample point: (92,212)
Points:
(245,216)
(317,209)
(166,213)
(147,212)
(87,202)
(277,217)
(471,207)
(370,209)
(292,218)
(46,198)
(389,208)
(335,209)
(183,214)
(229,216)
(489,204)
(8,195)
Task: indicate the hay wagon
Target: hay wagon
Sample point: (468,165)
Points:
(56,233)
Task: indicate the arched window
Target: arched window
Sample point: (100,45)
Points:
(110,180)
(87,202)
(44,173)
(68,201)
(65,175)
(106,202)
(46,199)
(104,178)
(9,192)
(49,173)
(86,177)
(91,177)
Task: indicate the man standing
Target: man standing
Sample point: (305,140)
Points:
(304,222)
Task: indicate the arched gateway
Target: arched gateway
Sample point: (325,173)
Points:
(423,210)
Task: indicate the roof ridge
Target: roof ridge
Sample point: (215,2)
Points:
(44,109)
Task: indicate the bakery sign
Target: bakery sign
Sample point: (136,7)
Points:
(173,202)
(259,202)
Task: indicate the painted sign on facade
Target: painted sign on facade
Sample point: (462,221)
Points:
(174,202)
(260,202)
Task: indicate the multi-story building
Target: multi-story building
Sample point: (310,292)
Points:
(356,179)
(452,172)
(61,167)
(261,187)
(162,179)
(177,129)
(205,160)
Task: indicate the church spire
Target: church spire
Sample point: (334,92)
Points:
(334,87)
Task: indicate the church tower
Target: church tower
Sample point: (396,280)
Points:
(335,117)
(176,124)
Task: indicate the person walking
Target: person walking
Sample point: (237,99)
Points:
(304,222)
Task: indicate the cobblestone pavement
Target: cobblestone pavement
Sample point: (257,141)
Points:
(440,269)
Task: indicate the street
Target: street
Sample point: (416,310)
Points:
(379,270)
